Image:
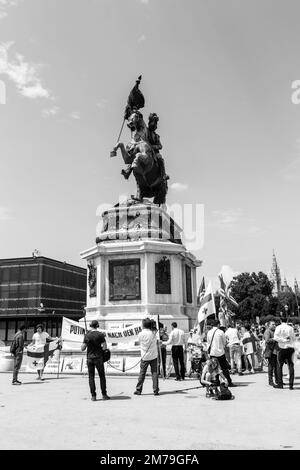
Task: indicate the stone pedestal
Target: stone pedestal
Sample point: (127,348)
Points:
(141,268)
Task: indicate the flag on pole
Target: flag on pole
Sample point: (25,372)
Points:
(201,291)
(207,307)
(225,292)
(135,100)
(38,355)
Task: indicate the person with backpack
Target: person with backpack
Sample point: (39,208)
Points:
(16,350)
(216,341)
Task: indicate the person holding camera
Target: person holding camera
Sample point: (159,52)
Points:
(149,355)
(94,341)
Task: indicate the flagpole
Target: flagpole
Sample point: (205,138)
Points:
(159,351)
(59,353)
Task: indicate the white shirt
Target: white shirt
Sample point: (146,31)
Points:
(285,336)
(232,336)
(40,338)
(148,344)
(176,337)
(218,343)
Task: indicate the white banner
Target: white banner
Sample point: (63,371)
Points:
(73,331)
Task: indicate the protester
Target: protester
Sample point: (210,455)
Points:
(189,352)
(233,338)
(149,353)
(94,341)
(177,340)
(285,337)
(216,341)
(17,348)
(271,350)
(212,376)
(40,338)
(248,348)
(257,354)
(163,349)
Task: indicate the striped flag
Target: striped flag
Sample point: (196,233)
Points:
(225,292)
(207,307)
(38,355)
(201,291)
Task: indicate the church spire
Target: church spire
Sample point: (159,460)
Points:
(275,275)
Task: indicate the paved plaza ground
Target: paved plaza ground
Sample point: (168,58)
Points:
(58,414)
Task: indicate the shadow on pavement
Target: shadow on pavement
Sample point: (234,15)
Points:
(118,397)
(38,382)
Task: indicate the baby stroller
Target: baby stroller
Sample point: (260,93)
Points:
(198,359)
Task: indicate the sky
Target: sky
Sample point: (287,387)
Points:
(219,74)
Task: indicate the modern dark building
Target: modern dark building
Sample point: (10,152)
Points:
(39,290)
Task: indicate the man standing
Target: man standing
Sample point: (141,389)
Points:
(17,348)
(285,337)
(94,342)
(177,340)
(234,344)
(149,354)
(216,341)
(271,351)
(163,337)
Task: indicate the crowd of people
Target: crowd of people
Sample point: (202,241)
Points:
(219,353)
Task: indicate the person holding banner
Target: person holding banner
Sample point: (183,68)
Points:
(149,352)
(94,341)
(40,338)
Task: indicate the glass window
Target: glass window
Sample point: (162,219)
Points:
(4,292)
(2,330)
(189,295)
(5,275)
(11,330)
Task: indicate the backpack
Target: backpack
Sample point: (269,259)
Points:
(106,355)
(13,346)
(223,393)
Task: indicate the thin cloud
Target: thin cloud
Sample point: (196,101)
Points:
(4,5)
(233,220)
(227,219)
(143,2)
(75,115)
(142,38)
(23,74)
(102,103)
(5,214)
(50,112)
(179,187)
(292,171)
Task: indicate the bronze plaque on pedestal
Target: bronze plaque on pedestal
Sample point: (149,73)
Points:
(125,279)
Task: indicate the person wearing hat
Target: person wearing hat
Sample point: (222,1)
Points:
(94,341)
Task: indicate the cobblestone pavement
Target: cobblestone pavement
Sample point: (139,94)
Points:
(58,414)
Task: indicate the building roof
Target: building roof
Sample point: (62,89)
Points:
(41,259)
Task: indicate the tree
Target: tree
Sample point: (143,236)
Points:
(253,292)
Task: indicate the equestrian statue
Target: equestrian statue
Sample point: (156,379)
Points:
(142,154)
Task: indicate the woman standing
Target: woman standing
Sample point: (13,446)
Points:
(248,347)
(40,338)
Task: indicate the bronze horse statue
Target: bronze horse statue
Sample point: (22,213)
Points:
(142,157)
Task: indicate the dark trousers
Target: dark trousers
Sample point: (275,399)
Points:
(178,360)
(163,360)
(17,365)
(272,368)
(142,375)
(224,366)
(285,355)
(98,364)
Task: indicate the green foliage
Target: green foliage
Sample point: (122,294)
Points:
(253,292)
